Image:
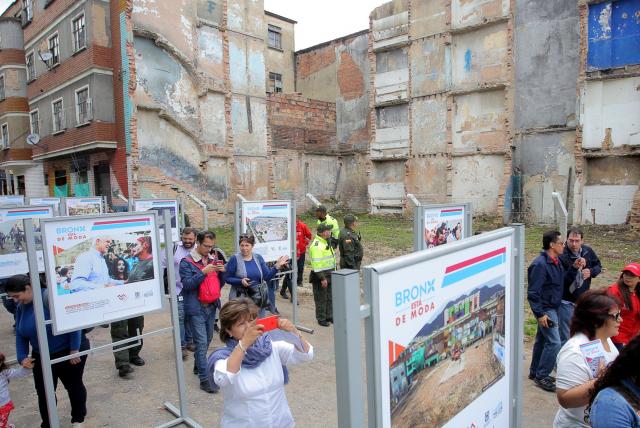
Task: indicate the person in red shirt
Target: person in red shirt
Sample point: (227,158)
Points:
(627,291)
(303,237)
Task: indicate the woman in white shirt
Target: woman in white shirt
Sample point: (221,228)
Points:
(251,370)
(596,317)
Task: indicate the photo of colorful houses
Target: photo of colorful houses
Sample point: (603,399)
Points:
(451,360)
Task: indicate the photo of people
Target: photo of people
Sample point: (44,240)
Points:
(459,354)
(443,233)
(104,261)
(81,206)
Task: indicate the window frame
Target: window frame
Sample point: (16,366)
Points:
(37,112)
(5,142)
(275,30)
(30,76)
(55,131)
(52,36)
(77,104)
(77,17)
(3,94)
(274,80)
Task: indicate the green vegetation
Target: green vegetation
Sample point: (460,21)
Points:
(389,236)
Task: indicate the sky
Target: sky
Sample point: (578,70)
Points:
(318,21)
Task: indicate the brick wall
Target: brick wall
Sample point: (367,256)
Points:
(13,104)
(309,62)
(43,18)
(12,56)
(93,56)
(300,123)
(96,131)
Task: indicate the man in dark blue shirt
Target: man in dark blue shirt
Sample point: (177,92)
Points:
(546,278)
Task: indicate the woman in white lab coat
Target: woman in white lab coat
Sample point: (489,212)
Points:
(251,370)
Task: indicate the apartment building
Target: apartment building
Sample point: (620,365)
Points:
(279,55)
(67,70)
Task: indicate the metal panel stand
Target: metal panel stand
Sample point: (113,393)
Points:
(517,348)
(181,413)
(345,285)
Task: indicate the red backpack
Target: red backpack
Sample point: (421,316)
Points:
(209,290)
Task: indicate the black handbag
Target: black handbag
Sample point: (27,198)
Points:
(259,294)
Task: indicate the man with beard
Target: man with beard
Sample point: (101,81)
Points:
(182,249)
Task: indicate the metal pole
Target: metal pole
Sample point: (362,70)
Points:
(242,198)
(370,349)
(345,285)
(469,218)
(564,215)
(413,199)
(418,228)
(294,263)
(238,223)
(314,200)
(175,322)
(517,344)
(41,328)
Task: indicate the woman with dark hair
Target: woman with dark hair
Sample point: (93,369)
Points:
(247,269)
(615,399)
(251,369)
(596,317)
(120,269)
(626,290)
(69,372)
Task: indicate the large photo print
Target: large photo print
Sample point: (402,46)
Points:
(13,248)
(443,225)
(270,224)
(104,269)
(83,206)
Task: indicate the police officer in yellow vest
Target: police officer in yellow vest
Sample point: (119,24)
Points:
(323,262)
(324,218)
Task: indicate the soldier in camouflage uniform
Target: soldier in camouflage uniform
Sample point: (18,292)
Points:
(350,244)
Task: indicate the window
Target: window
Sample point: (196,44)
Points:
(275,82)
(58,116)
(83,106)
(34,119)
(5,136)
(26,15)
(1,87)
(31,67)
(54,48)
(79,33)
(275,37)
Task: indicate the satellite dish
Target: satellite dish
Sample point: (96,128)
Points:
(33,139)
(46,56)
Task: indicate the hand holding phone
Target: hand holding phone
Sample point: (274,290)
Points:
(268,323)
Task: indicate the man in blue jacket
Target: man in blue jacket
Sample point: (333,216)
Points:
(546,278)
(581,264)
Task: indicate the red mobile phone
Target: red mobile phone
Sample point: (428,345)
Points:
(269,323)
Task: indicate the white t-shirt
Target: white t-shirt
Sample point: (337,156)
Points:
(255,397)
(572,370)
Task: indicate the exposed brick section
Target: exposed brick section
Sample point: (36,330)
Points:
(93,56)
(43,18)
(15,155)
(97,131)
(302,124)
(350,78)
(310,62)
(12,56)
(14,104)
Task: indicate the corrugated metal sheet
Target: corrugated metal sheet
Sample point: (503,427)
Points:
(614,34)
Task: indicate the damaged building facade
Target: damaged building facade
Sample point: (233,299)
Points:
(494,102)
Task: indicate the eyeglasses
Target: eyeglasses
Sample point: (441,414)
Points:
(208,247)
(559,243)
(617,316)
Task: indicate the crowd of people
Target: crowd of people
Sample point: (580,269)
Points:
(589,337)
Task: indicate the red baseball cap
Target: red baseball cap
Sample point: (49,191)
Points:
(634,268)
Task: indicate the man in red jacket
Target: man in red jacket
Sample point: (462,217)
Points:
(303,237)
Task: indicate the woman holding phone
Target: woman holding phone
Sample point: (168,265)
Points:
(247,269)
(251,369)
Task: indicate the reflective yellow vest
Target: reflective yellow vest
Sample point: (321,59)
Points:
(322,255)
(335,228)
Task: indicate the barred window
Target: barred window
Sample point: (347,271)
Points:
(79,33)
(275,37)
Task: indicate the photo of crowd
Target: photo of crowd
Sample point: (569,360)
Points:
(76,208)
(12,239)
(442,233)
(104,261)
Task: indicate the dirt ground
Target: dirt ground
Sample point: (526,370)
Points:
(454,385)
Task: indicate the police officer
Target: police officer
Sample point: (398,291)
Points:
(323,262)
(349,244)
(324,218)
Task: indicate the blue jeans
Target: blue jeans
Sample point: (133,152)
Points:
(545,348)
(202,330)
(565,312)
(272,286)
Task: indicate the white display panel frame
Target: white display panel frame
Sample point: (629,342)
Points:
(73,205)
(142,205)
(429,218)
(276,210)
(90,303)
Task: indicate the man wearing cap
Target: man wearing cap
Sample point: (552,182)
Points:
(323,262)
(581,264)
(324,218)
(349,244)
